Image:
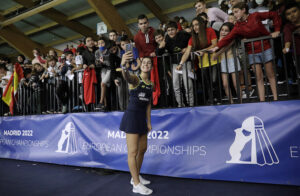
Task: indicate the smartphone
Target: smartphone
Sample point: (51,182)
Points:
(128,47)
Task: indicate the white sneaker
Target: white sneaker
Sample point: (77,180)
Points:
(244,95)
(141,189)
(142,180)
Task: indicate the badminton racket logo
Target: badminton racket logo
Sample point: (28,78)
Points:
(262,150)
(67,142)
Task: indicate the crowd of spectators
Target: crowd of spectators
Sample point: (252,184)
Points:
(95,64)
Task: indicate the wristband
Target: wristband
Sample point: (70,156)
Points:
(124,68)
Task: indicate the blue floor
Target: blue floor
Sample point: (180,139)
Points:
(22,178)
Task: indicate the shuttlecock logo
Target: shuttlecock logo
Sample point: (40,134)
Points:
(67,142)
(262,150)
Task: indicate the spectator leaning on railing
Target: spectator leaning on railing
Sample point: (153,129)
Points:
(248,26)
(63,91)
(88,55)
(176,43)
(103,65)
(35,82)
(203,38)
(52,70)
(164,70)
(292,15)
(228,65)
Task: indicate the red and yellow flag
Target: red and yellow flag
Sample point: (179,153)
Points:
(10,93)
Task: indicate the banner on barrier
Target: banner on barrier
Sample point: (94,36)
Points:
(257,142)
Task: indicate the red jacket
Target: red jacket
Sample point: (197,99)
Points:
(288,30)
(88,80)
(253,28)
(145,49)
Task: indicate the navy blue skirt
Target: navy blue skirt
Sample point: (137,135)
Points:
(134,122)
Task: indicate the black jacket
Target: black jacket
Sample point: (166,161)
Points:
(88,57)
(175,45)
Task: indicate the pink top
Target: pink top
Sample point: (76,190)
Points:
(217,15)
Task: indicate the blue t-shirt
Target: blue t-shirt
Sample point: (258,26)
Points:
(135,56)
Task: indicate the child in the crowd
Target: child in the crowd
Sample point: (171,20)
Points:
(164,71)
(249,26)
(50,76)
(35,82)
(228,65)
(102,62)
(292,15)
(135,63)
(176,43)
(231,18)
(79,66)
(78,58)
(107,59)
(186,27)
(52,53)
(63,91)
(52,70)
(261,6)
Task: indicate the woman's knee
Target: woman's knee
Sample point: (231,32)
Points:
(143,144)
(132,152)
(142,149)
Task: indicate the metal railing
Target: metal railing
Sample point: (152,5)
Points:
(200,82)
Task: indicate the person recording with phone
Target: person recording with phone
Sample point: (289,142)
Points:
(136,121)
(127,46)
(133,68)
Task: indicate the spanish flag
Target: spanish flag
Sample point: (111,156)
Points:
(10,93)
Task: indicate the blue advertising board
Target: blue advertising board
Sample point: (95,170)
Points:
(258,142)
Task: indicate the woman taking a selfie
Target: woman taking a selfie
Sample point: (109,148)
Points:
(136,122)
